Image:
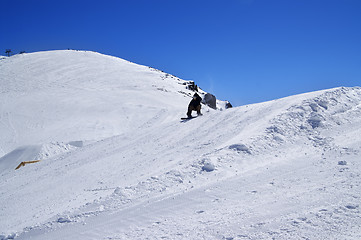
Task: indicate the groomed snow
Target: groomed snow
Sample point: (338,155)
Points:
(117,162)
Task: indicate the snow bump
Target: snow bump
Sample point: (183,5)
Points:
(240,148)
(208,167)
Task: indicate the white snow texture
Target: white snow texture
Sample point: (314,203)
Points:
(116,161)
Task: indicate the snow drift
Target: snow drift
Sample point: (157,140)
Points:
(120,165)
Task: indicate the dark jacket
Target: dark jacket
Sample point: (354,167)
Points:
(195,101)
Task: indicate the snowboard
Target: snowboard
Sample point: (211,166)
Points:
(187,118)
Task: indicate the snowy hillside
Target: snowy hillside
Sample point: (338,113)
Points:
(117,163)
(50,100)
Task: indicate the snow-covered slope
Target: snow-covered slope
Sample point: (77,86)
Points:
(284,169)
(59,97)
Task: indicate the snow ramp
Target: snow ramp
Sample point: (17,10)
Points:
(21,154)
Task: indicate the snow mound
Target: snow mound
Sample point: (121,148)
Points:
(35,153)
(11,160)
(314,116)
(304,118)
(240,148)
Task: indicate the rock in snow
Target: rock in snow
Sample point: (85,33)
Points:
(117,163)
(210,100)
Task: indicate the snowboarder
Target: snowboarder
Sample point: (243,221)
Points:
(194,105)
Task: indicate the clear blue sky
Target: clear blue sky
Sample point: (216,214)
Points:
(244,51)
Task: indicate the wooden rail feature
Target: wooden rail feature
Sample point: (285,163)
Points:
(24,163)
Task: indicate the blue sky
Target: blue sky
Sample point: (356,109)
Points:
(244,51)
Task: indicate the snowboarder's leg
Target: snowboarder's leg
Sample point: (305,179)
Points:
(190,109)
(199,110)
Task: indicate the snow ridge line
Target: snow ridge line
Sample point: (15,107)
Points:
(309,120)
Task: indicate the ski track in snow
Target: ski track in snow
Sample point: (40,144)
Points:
(284,169)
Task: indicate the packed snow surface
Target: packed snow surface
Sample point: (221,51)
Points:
(118,163)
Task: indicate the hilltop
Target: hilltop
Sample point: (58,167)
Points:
(57,100)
